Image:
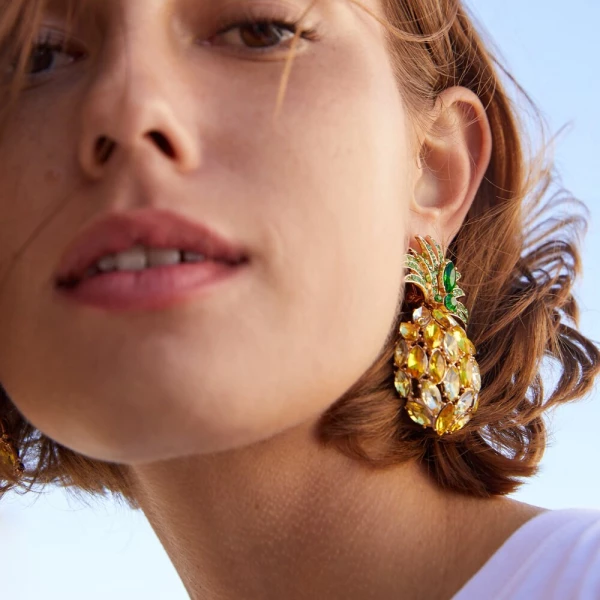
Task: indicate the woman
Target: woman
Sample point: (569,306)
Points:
(290,406)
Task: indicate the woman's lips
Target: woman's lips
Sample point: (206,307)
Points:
(149,227)
(155,288)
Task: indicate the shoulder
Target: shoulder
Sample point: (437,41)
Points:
(555,555)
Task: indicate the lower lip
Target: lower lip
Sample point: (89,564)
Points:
(151,289)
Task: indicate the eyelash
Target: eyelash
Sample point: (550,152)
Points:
(54,43)
(256,23)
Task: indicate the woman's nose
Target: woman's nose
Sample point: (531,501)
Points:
(134,108)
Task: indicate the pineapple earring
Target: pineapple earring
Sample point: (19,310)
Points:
(436,370)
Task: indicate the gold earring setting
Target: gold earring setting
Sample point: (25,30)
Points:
(436,371)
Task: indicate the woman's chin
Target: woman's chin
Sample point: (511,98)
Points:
(160,442)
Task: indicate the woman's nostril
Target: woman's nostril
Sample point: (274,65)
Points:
(163,143)
(103,150)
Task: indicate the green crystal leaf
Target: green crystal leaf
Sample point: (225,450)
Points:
(425,266)
(439,250)
(430,253)
(419,281)
(462,312)
(457,292)
(413,264)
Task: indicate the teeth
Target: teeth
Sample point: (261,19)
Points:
(139,258)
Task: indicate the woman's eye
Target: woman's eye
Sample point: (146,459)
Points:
(45,57)
(48,55)
(258,34)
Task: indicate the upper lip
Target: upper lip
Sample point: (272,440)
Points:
(153,228)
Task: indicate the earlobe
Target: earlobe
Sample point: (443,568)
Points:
(454,157)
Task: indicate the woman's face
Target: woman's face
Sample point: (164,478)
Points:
(319,199)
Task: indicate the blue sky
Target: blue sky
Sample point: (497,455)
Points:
(54,548)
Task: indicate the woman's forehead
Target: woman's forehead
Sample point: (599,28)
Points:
(84,6)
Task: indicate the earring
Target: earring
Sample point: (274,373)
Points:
(9,452)
(436,370)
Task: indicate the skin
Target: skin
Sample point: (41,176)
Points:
(211,406)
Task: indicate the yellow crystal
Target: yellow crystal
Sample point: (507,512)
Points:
(402,383)
(401,353)
(443,318)
(451,347)
(452,383)
(9,454)
(8,457)
(416,363)
(466,371)
(431,396)
(445,419)
(470,375)
(460,336)
(465,402)
(434,336)
(409,331)
(476,377)
(437,366)
(459,423)
(470,347)
(422,316)
(418,414)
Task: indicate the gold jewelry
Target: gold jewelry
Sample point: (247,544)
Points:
(9,452)
(436,372)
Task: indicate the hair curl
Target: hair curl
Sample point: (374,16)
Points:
(519,258)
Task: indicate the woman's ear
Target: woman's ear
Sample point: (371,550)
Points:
(453,157)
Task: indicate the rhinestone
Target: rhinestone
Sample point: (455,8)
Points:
(434,336)
(422,316)
(416,363)
(431,396)
(437,366)
(452,383)
(451,347)
(445,419)
(449,277)
(465,403)
(418,414)
(450,303)
(402,383)
(409,331)
(401,353)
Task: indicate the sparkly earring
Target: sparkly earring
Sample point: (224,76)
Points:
(9,452)
(436,370)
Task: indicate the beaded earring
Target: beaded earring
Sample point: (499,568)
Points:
(436,371)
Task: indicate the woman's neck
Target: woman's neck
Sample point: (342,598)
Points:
(287,518)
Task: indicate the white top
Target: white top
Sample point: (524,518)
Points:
(553,556)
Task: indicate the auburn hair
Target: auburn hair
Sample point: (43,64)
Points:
(518,253)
